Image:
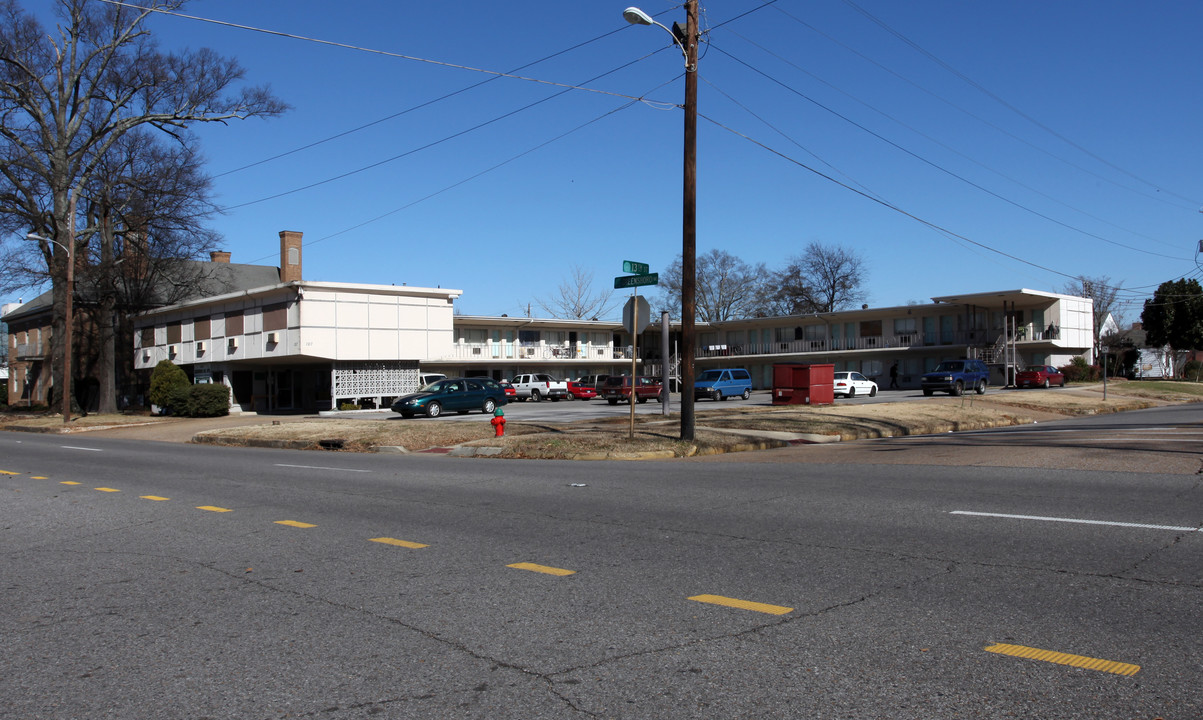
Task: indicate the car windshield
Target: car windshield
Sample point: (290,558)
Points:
(711,375)
(1035,368)
(431,387)
(950,367)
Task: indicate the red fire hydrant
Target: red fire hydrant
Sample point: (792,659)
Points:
(498,422)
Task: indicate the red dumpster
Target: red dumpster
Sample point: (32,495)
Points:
(803,384)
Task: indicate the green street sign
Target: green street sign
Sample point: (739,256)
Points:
(630,266)
(629,281)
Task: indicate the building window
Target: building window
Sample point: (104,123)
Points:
(202,329)
(233,323)
(275,317)
(870,328)
(528,336)
(905,326)
(148,337)
(174,332)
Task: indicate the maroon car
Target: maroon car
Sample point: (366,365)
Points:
(1039,376)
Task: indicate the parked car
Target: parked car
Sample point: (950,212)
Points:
(1039,376)
(536,386)
(461,395)
(722,384)
(510,392)
(593,381)
(956,376)
(851,384)
(581,391)
(618,387)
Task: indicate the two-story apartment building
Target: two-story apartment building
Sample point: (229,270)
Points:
(292,344)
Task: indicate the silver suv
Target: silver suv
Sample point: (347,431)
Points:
(956,376)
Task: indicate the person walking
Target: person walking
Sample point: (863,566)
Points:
(894,376)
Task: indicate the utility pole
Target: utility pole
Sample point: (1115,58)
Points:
(689,218)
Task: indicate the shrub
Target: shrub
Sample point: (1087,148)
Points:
(164,379)
(348,406)
(211,400)
(1078,370)
(1192,370)
(176,402)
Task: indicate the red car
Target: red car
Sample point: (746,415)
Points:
(1039,376)
(510,392)
(581,391)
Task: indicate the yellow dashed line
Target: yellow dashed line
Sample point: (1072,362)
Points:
(8,472)
(38,477)
(108,489)
(1079,661)
(212,508)
(68,482)
(294,523)
(153,497)
(542,569)
(398,543)
(742,604)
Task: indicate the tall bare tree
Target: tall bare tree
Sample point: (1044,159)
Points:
(67,95)
(727,288)
(824,278)
(576,299)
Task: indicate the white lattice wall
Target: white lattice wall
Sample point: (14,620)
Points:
(363,379)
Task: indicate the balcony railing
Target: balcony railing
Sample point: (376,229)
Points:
(519,351)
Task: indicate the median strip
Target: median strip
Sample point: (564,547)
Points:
(1079,661)
(742,604)
(541,569)
(398,543)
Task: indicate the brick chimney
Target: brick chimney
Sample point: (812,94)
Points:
(219,256)
(290,256)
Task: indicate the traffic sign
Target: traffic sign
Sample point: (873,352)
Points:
(630,266)
(628,281)
(636,315)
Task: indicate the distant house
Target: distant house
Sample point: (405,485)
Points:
(1151,362)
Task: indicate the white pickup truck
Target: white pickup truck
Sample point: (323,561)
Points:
(537,386)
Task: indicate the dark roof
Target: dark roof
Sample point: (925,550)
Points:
(220,278)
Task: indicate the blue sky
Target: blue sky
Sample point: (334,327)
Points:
(1065,134)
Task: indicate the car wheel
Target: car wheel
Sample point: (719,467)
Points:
(715,395)
(641,400)
(536,396)
(981,387)
(1046,383)
(489,406)
(851,393)
(434,410)
(747,394)
(958,389)
(873,391)
(1062,382)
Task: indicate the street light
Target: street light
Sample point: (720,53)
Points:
(67,321)
(687,41)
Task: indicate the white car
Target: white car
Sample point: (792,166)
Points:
(851,384)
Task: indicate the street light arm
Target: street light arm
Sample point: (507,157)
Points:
(635,16)
(39,238)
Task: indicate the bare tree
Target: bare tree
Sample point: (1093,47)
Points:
(69,94)
(576,299)
(727,288)
(1103,292)
(824,278)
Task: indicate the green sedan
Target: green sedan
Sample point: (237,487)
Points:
(459,394)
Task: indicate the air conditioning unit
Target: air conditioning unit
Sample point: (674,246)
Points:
(171,350)
(233,343)
(200,347)
(145,356)
(273,337)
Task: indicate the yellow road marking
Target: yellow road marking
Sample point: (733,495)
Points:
(8,472)
(294,523)
(742,604)
(153,497)
(542,569)
(38,477)
(212,508)
(1080,661)
(108,490)
(68,482)
(399,543)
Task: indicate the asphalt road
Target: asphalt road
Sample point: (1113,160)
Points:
(164,585)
